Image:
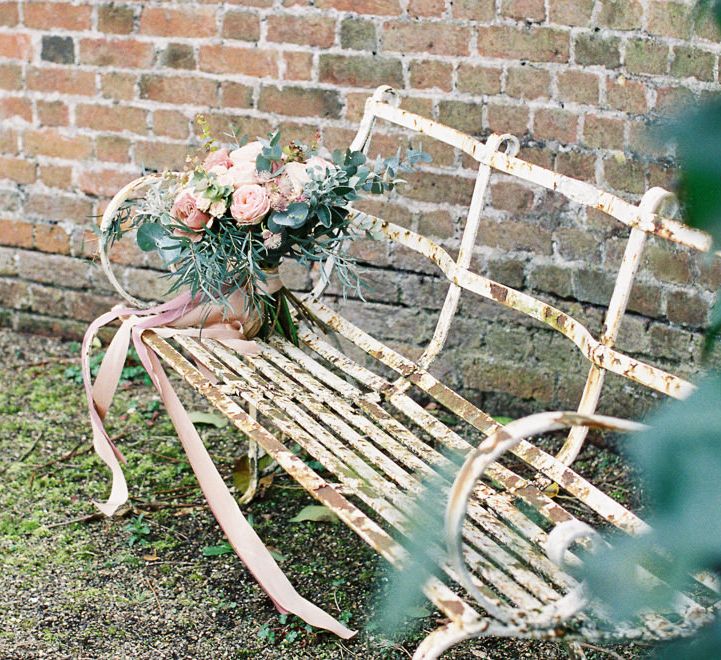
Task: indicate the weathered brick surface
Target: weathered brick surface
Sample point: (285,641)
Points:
(91,92)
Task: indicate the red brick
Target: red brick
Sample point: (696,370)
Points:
(165,22)
(171,123)
(52,113)
(429,74)
(241,25)
(603,132)
(570,12)
(418,8)
(50,142)
(160,155)
(432,38)
(8,141)
(380,7)
(298,65)
(524,10)
(305,30)
(300,102)
(127,53)
(65,80)
(478,79)
(115,19)
(51,238)
(246,61)
(16,46)
(9,14)
(510,196)
(12,107)
(360,71)
(112,148)
(53,16)
(508,118)
(111,118)
(539,44)
(555,124)
(475,10)
(19,170)
(179,89)
(626,95)
(11,76)
(16,233)
(237,95)
(102,183)
(58,207)
(621,14)
(57,176)
(118,86)
(578,87)
(528,83)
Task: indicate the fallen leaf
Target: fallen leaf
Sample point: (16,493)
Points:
(153,557)
(209,419)
(503,420)
(315,513)
(215,550)
(241,474)
(551,490)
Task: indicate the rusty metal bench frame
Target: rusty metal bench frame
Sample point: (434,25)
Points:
(364,428)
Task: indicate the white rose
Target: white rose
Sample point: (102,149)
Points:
(241,174)
(298,176)
(217,209)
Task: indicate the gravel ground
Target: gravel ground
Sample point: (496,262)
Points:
(95,589)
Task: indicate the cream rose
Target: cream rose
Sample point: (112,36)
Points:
(217,158)
(246,154)
(185,210)
(297,175)
(249,204)
(238,175)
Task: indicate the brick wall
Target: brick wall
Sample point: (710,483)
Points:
(92,92)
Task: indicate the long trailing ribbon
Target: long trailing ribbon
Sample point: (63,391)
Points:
(182,315)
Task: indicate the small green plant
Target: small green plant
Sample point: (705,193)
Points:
(133,371)
(289,629)
(139,531)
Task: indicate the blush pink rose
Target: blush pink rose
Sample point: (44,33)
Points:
(216,158)
(246,154)
(249,204)
(185,210)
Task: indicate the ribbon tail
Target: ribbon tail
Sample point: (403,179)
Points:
(104,447)
(242,537)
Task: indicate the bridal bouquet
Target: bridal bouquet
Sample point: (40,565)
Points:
(226,222)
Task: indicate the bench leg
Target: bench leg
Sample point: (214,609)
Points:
(441,640)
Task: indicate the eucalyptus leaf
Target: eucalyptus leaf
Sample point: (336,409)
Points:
(150,236)
(294,216)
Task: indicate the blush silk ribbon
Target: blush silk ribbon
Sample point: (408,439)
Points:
(182,315)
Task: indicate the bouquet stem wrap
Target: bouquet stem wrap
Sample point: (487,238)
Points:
(183,315)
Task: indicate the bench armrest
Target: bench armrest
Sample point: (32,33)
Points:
(488,452)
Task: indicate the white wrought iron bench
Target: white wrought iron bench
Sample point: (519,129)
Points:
(508,541)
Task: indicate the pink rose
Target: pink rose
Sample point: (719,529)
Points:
(238,175)
(249,204)
(185,210)
(218,157)
(246,154)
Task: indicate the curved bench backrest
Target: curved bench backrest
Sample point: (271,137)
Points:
(500,153)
